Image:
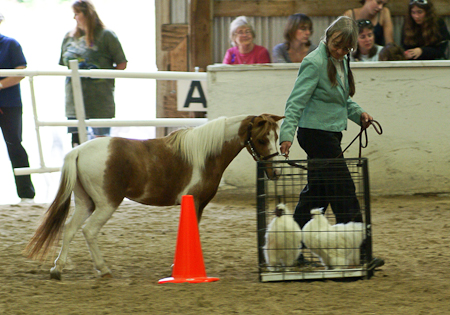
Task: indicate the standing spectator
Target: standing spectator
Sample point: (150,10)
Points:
(95,47)
(244,50)
(425,36)
(297,44)
(376,12)
(11,57)
(318,109)
(367,50)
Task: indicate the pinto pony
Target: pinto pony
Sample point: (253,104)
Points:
(104,171)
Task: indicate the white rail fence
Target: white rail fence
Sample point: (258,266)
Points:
(81,121)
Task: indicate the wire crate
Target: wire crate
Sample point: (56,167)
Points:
(336,249)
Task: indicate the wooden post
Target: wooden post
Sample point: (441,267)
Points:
(200,34)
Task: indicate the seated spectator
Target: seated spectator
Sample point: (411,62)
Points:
(391,52)
(367,50)
(376,12)
(425,36)
(244,51)
(297,44)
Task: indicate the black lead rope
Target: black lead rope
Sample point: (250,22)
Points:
(378,129)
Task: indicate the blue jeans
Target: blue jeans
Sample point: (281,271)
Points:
(92,132)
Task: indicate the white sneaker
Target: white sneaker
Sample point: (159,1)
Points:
(27,200)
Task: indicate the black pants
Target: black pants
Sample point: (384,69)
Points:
(11,125)
(329,182)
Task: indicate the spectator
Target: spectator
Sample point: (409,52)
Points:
(244,50)
(12,57)
(297,44)
(425,36)
(95,47)
(367,50)
(376,12)
(391,52)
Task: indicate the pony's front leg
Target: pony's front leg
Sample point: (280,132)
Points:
(90,231)
(71,227)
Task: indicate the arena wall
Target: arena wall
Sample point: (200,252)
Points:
(409,99)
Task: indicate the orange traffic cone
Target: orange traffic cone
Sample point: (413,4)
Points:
(188,264)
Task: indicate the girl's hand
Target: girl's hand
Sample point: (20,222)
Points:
(284,148)
(413,53)
(365,120)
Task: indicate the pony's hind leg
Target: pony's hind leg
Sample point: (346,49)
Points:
(83,209)
(90,230)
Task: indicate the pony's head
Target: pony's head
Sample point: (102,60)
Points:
(261,140)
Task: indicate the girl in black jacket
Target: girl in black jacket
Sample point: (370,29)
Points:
(425,36)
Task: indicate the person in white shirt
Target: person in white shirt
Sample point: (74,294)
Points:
(366,50)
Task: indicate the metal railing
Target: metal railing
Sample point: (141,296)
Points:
(81,121)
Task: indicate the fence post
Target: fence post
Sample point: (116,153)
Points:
(36,122)
(78,100)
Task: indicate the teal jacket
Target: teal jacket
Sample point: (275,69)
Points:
(314,103)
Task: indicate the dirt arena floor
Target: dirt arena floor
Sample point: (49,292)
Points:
(410,232)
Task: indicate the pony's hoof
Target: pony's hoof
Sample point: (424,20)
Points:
(55,274)
(107,276)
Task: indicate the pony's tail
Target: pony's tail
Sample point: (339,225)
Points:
(49,231)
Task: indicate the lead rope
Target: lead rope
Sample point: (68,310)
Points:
(378,129)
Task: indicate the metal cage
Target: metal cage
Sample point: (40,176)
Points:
(339,186)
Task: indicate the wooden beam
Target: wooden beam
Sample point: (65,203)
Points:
(178,56)
(234,8)
(172,35)
(200,36)
(253,8)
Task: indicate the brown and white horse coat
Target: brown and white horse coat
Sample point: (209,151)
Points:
(158,172)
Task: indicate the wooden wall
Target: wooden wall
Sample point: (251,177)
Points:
(310,7)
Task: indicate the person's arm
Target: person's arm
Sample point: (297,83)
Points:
(366,120)
(357,114)
(227,58)
(121,66)
(388,27)
(304,87)
(277,54)
(284,148)
(354,111)
(115,50)
(348,13)
(11,81)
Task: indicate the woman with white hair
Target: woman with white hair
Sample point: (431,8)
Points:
(244,50)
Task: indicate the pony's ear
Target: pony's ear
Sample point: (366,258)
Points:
(261,122)
(274,117)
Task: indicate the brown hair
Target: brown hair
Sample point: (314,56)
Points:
(391,52)
(293,23)
(425,34)
(362,25)
(348,36)
(93,22)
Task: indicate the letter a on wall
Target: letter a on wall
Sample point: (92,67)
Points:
(191,96)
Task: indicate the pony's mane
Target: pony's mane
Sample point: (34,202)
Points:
(196,144)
